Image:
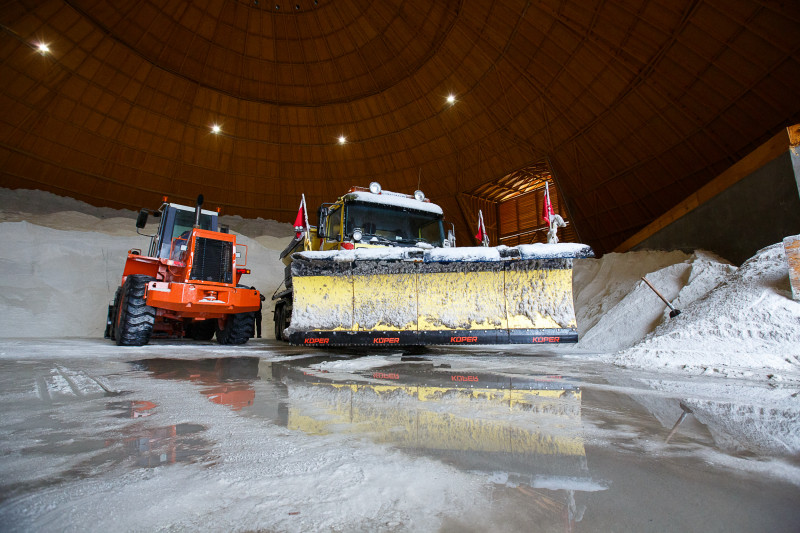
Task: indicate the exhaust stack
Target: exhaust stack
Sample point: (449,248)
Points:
(197,211)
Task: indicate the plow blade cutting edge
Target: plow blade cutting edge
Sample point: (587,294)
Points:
(413,296)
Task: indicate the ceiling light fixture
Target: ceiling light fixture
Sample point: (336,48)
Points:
(451,99)
(342,139)
(215,129)
(43,48)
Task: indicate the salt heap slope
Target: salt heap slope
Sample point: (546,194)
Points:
(734,321)
(62,261)
(615,309)
(746,324)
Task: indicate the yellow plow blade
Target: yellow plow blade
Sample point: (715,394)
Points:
(414,297)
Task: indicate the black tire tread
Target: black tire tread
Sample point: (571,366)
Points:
(136,318)
(238,329)
(280,309)
(111,319)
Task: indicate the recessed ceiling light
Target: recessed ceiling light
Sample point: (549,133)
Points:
(451,99)
(215,128)
(342,139)
(43,48)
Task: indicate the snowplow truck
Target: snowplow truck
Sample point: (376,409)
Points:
(382,269)
(187,285)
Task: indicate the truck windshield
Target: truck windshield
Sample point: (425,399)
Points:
(384,224)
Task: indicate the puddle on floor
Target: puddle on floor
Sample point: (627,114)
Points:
(563,450)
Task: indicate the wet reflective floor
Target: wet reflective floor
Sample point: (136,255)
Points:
(269,437)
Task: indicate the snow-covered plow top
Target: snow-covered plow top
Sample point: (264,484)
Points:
(418,296)
(453,255)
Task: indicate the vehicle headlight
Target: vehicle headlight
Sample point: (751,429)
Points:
(419,195)
(375,187)
(357,234)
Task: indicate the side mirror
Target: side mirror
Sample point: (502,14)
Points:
(450,242)
(141,220)
(323,219)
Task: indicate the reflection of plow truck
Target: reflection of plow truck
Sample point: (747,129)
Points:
(528,427)
(379,269)
(186,285)
(523,432)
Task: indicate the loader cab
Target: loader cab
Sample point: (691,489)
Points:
(176,225)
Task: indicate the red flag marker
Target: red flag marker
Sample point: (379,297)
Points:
(299,221)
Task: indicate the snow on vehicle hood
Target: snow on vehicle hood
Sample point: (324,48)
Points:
(395,200)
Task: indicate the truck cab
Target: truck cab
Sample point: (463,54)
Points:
(375,218)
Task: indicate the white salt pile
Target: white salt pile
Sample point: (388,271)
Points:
(733,321)
(746,323)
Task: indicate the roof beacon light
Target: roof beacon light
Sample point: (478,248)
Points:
(419,195)
(375,187)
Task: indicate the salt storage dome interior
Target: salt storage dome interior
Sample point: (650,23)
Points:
(632,105)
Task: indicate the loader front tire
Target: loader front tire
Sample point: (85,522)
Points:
(135,319)
(238,329)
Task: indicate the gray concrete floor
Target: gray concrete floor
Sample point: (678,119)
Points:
(176,436)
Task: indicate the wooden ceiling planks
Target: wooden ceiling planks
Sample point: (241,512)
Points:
(635,103)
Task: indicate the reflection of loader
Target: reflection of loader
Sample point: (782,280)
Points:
(380,270)
(186,285)
(226,381)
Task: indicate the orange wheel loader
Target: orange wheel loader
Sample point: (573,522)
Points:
(187,285)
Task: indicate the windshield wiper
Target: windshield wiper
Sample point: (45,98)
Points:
(379,238)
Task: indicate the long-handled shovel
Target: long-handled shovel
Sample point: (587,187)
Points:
(673,312)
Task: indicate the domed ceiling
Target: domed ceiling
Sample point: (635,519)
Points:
(632,104)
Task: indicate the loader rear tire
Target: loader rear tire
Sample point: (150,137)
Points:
(111,318)
(135,319)
(238,329)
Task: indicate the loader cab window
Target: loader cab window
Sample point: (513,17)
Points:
(176,224)
(381,224)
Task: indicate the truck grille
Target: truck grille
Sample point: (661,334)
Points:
(213,261)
